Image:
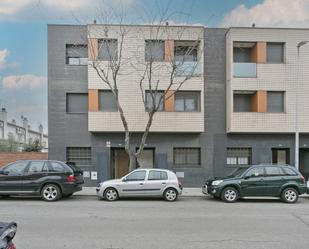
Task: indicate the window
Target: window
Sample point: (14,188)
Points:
(275,101)
(157,95)
(289,172)
(77,102)
(76,54)
(37,166)
(17,168)
(57,167)
(108,50)
(81,156)
(274,171)
(157,175)
(154,50)
(187,101)
(186,50)
(187,156)
(107,101)
(238,156)
(275,52)
(137,176)
(243,101)
(255,172)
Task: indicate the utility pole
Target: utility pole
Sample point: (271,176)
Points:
(299,45)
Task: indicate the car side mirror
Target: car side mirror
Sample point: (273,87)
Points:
(124,179)
(246,177)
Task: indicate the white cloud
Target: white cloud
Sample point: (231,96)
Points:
(274,13)
(3,57)
(12,8)
(31,81)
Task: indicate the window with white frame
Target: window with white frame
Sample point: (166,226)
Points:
(154,50)
(108,50)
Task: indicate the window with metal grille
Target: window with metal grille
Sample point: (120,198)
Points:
(76,54)
(239,156)
(81,156)
(108,50)
(154,50)
(187,156)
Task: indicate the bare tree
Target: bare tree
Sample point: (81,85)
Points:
(180,63)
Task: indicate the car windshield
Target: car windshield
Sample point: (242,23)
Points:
(238,172)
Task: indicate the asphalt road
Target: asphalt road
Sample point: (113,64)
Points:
(190,223)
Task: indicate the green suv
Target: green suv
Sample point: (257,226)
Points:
(258,180)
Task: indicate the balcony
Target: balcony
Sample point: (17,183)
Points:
(188,68)
(244,69)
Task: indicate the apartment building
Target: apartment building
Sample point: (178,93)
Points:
(21,133)
(236,110)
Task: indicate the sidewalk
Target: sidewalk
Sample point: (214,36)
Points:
(185,192)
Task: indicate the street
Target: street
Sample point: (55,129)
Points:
(192,222)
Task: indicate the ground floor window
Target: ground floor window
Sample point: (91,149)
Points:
(239,156)
(187,156)
(81,156)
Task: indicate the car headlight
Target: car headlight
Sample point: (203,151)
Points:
(217,182)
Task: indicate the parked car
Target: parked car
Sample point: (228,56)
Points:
(7,233)
(260,180)
(48,178)
(142,183)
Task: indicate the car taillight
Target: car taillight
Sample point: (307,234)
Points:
(302,179)
(179,184)
(71,178)
(11,246)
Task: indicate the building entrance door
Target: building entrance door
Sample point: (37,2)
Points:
(120,161)
(304,162)
(280,156)
(146,159)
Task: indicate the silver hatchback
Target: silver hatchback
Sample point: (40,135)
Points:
(142,183)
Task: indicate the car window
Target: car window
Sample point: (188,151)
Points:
(289,172)
(16,168)
(255,172)
(37,166)
(157,175)
(137,176)
(57,167)
(273,171)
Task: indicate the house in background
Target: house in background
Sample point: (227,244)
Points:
(21,134)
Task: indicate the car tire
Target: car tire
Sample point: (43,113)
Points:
(170,194)
(289,195)
(230,194)
(51,192)
(111,194)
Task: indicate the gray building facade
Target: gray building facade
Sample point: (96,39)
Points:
(219,150)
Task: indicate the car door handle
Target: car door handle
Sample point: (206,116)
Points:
(163,183)
(261,180)
(141,184)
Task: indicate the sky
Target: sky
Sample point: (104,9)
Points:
(23,34)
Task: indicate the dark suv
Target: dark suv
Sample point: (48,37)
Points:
(259,180)
(47,178)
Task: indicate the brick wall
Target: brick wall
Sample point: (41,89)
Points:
(8,157)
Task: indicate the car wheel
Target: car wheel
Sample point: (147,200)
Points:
(170,194)
(229,194)
(289,195)
(51,192)
(111,194)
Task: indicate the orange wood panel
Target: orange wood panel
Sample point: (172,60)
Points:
(169,101)
(92,48)
(259,102)
(169,50)
(261,52)
(93,100)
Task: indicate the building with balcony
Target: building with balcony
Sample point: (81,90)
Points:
(237,108)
